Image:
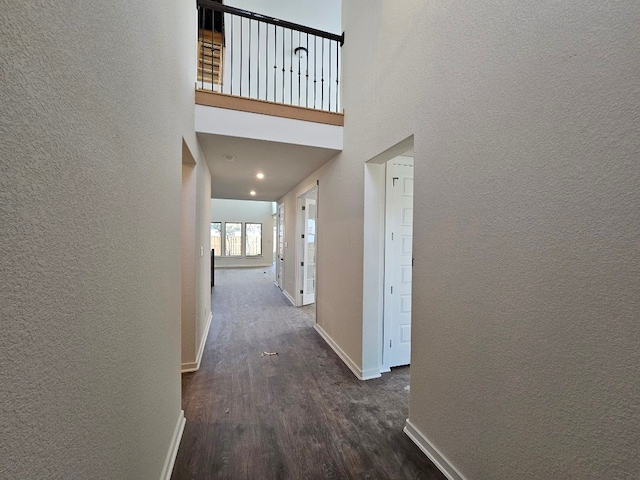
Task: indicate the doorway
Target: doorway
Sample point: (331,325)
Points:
(307,226)
(381,334)
(189,257)
(280,252)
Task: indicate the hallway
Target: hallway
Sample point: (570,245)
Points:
(300,414)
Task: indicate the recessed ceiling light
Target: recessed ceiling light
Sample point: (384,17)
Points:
(229,158)
(260,175)
(252,192)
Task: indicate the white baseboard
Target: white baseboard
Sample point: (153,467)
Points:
(194,366)
(257,265)
(343,356)
(371,373)
(189,367)
(167,469)
(289,297)
(432,452)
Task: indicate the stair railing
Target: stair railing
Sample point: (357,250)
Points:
(251,55)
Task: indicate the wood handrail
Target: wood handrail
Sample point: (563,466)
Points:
(271,20)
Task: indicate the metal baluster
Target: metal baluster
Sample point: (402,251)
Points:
(249,94)
(337,75)
(306,97)
(291,67)
(258,42)
(266,63)
(241,49)
(330,75)
(231,38)
(283,69)
(315,69)
(322,80)
(299,57)
(275,60)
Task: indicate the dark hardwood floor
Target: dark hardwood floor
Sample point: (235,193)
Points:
(300,414)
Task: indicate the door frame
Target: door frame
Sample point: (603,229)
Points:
(280,248)
(300,229)
(386,365)
(373,259)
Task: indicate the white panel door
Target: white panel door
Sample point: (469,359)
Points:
(280,259)
(309,252)
(398,262)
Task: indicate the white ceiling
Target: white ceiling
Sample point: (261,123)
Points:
(284,166)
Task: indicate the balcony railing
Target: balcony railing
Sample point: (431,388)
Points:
(251,55)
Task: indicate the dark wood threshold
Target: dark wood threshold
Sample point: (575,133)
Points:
(231,102)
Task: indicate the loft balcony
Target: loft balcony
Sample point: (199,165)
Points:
(255,63)
(267,99)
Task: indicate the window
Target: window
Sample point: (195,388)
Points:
(253,236)
(233,242)
(233,239)
(216,238)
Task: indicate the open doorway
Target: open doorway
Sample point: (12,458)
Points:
(189,254)
(280,249)
(275,238)
(388,258)
(306,251)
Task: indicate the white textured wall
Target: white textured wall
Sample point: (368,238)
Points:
(234,123)
(195,257)
(203,255)
(90,236)
(526,305)
(196,313)
(223,210)
(339,250)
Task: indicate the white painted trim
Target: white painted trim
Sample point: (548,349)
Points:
(189,367)
(301,242)
(299,247)
(373,266)
(203,342)
(279,260)
(194,366)
(444,465)
(369,374)
(259,265)
(167,469)
(289,297)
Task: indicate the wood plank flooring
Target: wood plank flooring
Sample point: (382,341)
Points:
(300,414)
